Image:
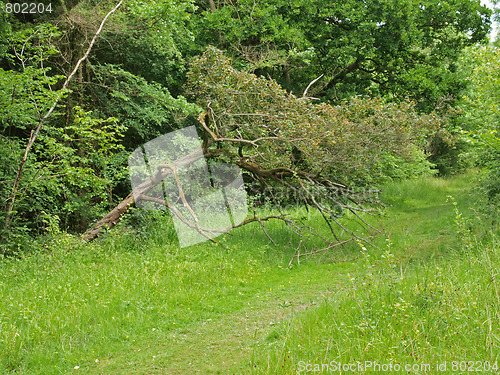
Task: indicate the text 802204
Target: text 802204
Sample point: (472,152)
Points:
(27,8)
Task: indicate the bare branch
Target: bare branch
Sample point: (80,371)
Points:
(304,95)
(331,246)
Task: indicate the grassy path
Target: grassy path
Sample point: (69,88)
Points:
(226,343)
(138,305)
(419,218)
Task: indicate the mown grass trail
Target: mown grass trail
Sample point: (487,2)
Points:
(134,303)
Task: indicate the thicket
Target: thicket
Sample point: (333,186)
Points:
(373,114)
(481,123)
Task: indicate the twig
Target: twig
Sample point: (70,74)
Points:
(309,85)
(317,251)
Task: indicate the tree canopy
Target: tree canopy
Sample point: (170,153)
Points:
(481,125)
(391,48)
(307,94)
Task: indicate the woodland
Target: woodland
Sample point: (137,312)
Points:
(315,97)
(345,118)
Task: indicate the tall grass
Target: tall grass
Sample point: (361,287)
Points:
(68,304)
(74,303)
(428,314)
(428,294)
(419,312)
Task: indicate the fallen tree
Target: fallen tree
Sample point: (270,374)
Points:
(324,157)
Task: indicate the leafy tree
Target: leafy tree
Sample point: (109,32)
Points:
(78,162)
(149,39)
(29,50)
(26,94)
(343,141)
(393,48)
(136,70)
(146,109)
(131,89)
(482,107)
(325,157)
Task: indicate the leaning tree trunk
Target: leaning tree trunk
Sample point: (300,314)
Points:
(314,190)
(114,216)
(111,219)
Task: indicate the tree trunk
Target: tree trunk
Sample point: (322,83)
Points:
(111,219)
(114,216)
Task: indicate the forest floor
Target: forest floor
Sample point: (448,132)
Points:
(134,303)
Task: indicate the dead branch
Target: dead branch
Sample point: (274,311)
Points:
(297,254)
(304,95)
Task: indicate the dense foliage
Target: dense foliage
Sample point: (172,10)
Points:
(482,122)
(397,48)
(385,67)
(362,141)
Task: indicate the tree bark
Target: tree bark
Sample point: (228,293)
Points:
(114,216)
(212,6)
(342,74)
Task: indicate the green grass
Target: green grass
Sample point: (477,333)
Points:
(126,300)
(134,303)
(426,314)
(419,217)
(428,293)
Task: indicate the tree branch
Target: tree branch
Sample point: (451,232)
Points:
(342,74)
(304,95)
